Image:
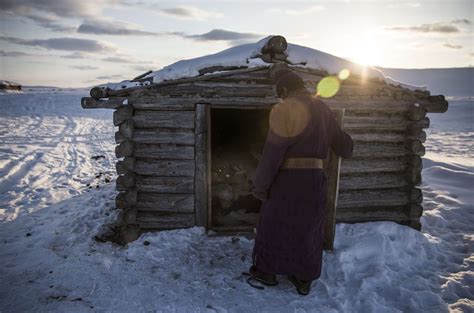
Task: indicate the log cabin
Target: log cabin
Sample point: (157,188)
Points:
(189,138)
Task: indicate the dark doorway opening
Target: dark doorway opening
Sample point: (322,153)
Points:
(237,140)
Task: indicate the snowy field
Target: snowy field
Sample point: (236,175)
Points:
(57,190)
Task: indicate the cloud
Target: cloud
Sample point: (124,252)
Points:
(118,76)
(224,35)
(190,13)
(14,54)
(428,28)
(403,5)
(141,68)
(451,46)
(65,44)
(48,13)
(461,21)
(84,67)
(60,8)
(75,55)
(109,27)
(308,10)
(117,60)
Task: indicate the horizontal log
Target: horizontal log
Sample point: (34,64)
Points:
(435,104)
(383,149)
(369,108)
(372,181)
(188,103)
(124,149)
(386,136)
(126,181)
(99,92)
(126,199)
(401,212)
(352,199)
(417,127)
(162,136)
(125,165)
(119,138)
(173,119)
(123,113)
(213,89)
(369,165)
(416,113)
(165,184)
(127,129)
(164,167)
(129,216)
(413,175)
(165,202)
(91,103)
(164,151)
(394,123)
(155,221)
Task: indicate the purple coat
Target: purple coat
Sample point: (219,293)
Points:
(289,237)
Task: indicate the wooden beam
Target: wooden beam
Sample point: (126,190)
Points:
(91,103)
(171,119)
(332,169)
(165,184)
(123,113)
(164,136)
(200,177)
(165,202)
(164,151)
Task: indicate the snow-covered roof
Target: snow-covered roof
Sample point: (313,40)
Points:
(247,55)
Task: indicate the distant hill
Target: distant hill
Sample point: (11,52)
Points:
(440,81)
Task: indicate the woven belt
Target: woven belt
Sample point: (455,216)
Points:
(302,163)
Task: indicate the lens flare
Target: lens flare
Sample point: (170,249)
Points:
(328,86)
(344,74)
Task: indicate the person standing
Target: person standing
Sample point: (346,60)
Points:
(292,185)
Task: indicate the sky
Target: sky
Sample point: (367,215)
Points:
(80,43)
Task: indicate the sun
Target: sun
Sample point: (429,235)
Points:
(365,51)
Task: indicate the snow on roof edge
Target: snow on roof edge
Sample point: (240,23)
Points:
(246,55)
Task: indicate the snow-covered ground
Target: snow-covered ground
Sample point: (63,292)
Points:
(57,190)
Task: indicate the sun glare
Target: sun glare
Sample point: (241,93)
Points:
(365,51)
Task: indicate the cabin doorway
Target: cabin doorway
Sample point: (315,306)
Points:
(237,137)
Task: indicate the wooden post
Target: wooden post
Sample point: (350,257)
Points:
(201,188)
(332,169)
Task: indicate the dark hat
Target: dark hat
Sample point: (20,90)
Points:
(289,80)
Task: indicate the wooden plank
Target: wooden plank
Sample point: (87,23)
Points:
(218,89)
(148,220)
(124,149)
(371,165)
(332,168)
(200,178)
(164,151)
(351,199)
(150,167)
(165,184)
(390,213)
(375,180)
(171,119)
(163,136)
(123,113)
(165,202)
(384,136)
(187,103)
(383,149)
(163,222)
(127,199)
(91,103)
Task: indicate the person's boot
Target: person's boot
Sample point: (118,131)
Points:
(264,278)
(302,286)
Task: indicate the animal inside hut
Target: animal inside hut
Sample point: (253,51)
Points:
(190,136)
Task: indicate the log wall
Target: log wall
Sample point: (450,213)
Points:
(162,136)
